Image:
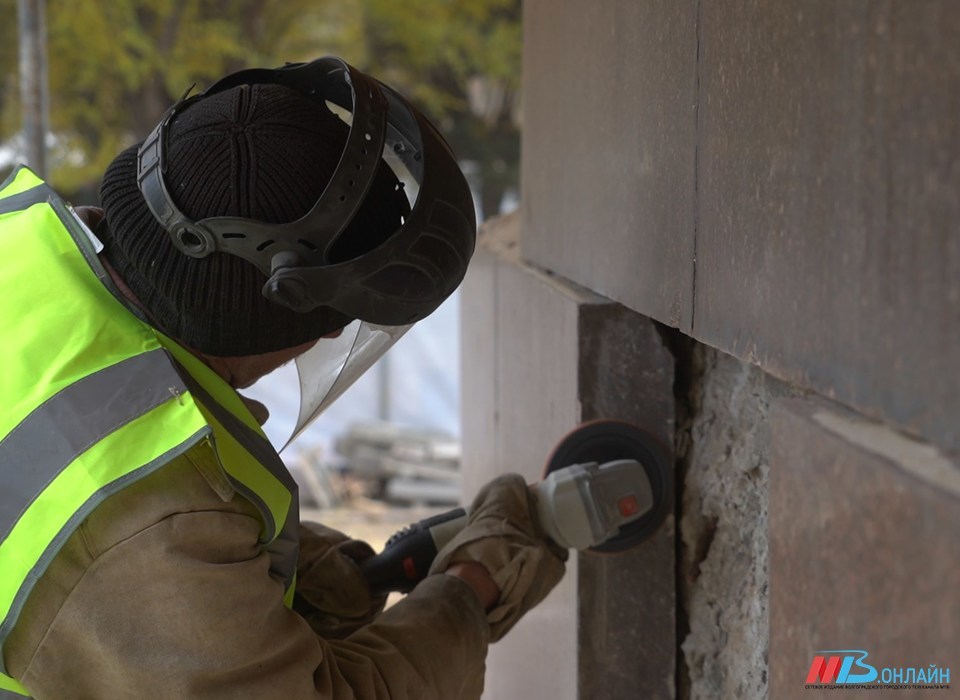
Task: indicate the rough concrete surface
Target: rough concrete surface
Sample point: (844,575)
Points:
(723,527)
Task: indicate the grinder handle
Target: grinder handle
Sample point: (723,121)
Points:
(407,556)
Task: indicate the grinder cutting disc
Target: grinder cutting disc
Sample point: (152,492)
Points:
(606,440)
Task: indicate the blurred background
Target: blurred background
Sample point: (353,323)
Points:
(80,80)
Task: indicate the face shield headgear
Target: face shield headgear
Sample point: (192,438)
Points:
(387,288)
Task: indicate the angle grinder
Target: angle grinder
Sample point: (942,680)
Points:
(606,488)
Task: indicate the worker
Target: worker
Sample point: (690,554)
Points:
(150,543)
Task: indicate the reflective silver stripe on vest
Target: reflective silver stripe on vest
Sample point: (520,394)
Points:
(77,417)
(10,695)
(22,200)
(284,550)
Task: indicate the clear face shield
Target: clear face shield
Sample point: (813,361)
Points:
(331,366)
(334,364)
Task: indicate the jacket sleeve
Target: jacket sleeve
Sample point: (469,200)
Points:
(186,608)
(332,594)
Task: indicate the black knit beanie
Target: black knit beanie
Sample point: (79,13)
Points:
(263,152)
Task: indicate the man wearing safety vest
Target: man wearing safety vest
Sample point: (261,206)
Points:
(150,544)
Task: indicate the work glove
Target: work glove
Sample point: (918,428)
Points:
(332,594)
(504,534)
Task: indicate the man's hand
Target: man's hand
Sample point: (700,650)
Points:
(503,537)
(332,594)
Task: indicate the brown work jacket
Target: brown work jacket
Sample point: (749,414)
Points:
(163,592)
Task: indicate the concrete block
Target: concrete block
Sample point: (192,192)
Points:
(608,148)
(517,384)
(555,355)
(723,527)
(828,249)
(478,362)
(863,546)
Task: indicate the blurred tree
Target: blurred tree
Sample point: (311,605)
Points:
(459,60)
(116,65)
(9,100)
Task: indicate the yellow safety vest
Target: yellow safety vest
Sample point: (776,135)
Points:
(92,398)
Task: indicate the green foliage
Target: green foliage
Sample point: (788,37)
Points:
(116,65)
(8,69)
(459,61)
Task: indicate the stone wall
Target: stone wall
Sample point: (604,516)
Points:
(725,476)
(772,189)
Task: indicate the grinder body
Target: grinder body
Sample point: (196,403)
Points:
(581,504)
